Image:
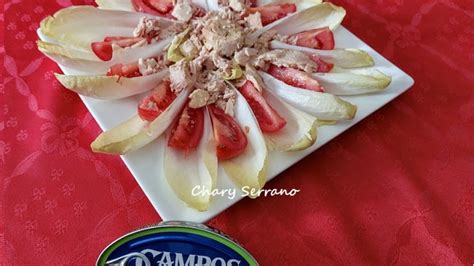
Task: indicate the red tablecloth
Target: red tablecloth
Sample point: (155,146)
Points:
(394,189)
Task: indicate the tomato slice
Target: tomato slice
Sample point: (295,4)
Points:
(163,95)
(272,12)
(153,105)
(127,70)
(268,119)
(140,6)
(321,38)
(148,110)
(295,78)
(188,130)
(231,140)
(104,50)
(153,7)
(163,6)
(323,66)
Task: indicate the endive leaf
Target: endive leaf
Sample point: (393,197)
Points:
(125,5)
(78,26)
(322,105)
(79,66)
(354,82)
(325,122)
(135,132)
(111,87)
(300,4)
(345,58)
(249,169)
(194,170)
(300,131)
(64,51)
(318,16)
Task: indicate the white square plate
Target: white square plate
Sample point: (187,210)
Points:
(146,164)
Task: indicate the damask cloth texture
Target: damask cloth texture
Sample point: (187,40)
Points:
(395,189)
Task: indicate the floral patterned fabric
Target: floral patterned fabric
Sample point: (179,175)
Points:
(394,189)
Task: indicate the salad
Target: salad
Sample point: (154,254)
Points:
(224,81)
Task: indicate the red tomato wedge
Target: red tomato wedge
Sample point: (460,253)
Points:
(188,130)
(272,12)
(295,78)
(162,6)
(323,66)
(163,95)
(231,140)
(141,6)
(148,110)
(153,7)
(127,70)
(104,50)
(321,38)
(153,105)
(268,119)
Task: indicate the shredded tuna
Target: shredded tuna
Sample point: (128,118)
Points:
(237,5)
(263,42)
(188,49)
(229,93)
(229,106)
(243,56)
(217,55)
(183,10)
(199,98)
(254,21)
(224,36)
(196,41)
(147,28)
(287,58)
(285,38)
(222,64)
(180,76)
(195,66)
(149,66)
(175,28)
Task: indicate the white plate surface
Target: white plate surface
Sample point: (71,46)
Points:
(146,164)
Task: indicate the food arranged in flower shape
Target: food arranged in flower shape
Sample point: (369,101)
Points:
(225,80)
